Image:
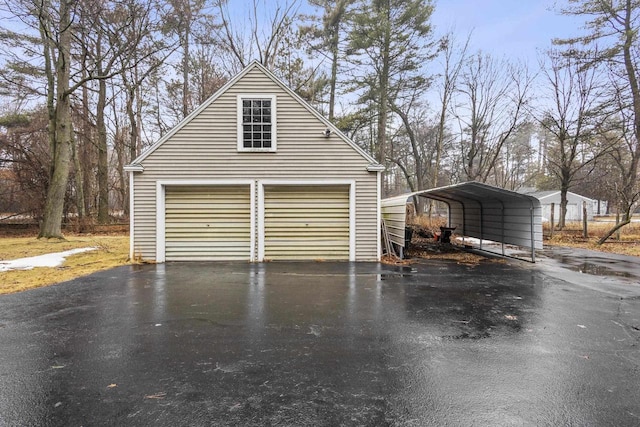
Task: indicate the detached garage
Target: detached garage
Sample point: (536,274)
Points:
(255,174)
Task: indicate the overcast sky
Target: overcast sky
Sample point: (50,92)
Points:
(515,28)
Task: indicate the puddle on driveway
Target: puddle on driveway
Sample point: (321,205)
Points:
(595,266)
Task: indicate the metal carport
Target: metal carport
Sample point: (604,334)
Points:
(476,210)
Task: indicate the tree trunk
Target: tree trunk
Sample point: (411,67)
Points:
(384,98)
(79,180)
(51,226)
(614,230)
(585,231)
(334,77)
(552,220)
(133,137)
(84,150)
(103,162)
(564,189)
(185,61)
(103,156)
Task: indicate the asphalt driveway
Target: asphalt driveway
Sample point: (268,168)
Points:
(330,344)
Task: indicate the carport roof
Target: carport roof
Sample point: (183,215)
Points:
(471,191)
(480,210)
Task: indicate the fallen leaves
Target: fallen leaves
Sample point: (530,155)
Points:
(394,260)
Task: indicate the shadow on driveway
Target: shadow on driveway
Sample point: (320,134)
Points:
(434,343)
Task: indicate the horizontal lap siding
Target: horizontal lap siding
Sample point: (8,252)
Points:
(206,149)
(394,216)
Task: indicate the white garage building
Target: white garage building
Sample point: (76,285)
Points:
(255,174)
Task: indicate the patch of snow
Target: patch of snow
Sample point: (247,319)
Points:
(474,241)
(47,260)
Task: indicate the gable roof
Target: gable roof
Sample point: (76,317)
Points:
(550,193)
(135,164)
(543,194)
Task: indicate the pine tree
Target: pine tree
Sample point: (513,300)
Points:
(390,43)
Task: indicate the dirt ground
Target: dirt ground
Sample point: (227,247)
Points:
(627,243)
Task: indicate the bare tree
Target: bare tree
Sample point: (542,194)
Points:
(489,107)
(613,28)
(24,162)
(625,152)
(261,36)
(571,113)
(453,59)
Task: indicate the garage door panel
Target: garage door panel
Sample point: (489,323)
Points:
(203,227)
(309,212)
(208,223)
(306,222)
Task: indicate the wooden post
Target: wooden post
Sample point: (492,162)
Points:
(585,232)
(552,220)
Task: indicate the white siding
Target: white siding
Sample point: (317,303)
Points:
(206,149)
(574,211)
(394,214)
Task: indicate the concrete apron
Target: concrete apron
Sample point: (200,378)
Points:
(434,343)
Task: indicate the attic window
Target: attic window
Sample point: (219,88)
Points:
(256,123)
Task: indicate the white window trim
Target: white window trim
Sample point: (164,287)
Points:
(352,209)
(274,116)
(160,209)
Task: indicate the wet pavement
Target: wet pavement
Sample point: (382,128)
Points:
(435,343)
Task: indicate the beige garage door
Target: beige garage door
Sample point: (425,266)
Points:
(208,223)
(306,222)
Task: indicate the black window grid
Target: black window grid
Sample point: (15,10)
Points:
(256,123)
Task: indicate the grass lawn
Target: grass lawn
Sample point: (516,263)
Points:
(113,251)
(571,236)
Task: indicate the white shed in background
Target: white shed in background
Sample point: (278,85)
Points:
(574,205)
(476,210)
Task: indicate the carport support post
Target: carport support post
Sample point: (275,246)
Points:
(533,242)
(585,232)
(502,225)
(481,228)
(551,220)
